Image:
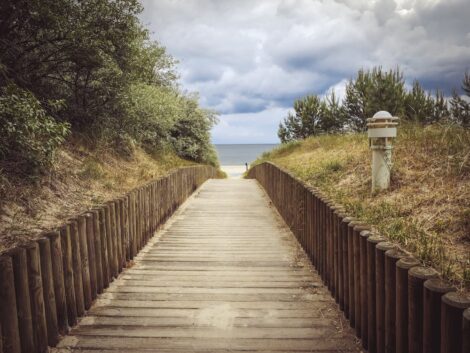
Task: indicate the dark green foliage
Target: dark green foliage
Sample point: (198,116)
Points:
(312,116)
(460,106)
(369,92)
(29,136)
(117,86)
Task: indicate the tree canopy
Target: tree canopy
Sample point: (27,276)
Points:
(90,67)
(367,93)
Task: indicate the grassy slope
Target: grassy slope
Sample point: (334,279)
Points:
(80,179)
(426,210)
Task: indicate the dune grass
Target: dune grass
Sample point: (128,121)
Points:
(427,208)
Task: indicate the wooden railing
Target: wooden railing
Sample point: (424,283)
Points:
(393,303)
(45,286)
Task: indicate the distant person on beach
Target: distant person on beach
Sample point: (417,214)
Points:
(246,165)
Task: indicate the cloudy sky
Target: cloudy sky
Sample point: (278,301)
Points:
(249,59)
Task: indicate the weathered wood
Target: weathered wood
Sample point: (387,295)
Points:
(380,250)
(416,277)
(117,208)
(85,265)
(58,280)
(466,331)
(23,301)
(98,252)
(104,246)
(364,235)
(90,240)
(69,282)
(372,242)
(77,267)
(391,258)
(453,305)
(358,277)
(230,287)
(38,313)
(8,313)
(50,306)
(434,289)
(401,300)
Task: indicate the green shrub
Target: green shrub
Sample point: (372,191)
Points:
(29,136)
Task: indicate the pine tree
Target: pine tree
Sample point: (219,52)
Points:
(419,105)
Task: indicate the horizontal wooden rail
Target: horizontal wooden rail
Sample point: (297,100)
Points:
(47,284)
(393,303)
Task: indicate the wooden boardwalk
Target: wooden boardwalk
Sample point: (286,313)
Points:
(224,275)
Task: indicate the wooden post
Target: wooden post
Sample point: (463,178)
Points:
(67,259)
(434,289)
(346,273)
(364,235)
(109,238)
(452,306)
(95,214)
(372,241)
(380,250)
(112,240)
(90,238)
(104,246)
(416,277)
(85,265)
(401,300)
(77,267)
(1,338)
(58,280)
(391,258)
(8,314)
(48,291)
(356,233)
(36,295)
(466,331)
(23,302)
(117,209)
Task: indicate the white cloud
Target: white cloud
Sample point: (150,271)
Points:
(246,57)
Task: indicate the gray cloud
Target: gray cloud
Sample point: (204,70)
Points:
(250,58)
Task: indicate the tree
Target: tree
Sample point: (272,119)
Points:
(370,92)
(304,122)
(419,105)
(332,117)
(459,105)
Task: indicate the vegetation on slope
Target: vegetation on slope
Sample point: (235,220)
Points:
(90,107)
(427,208)
(80,179)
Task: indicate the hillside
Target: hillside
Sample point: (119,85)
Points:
(80,178)
(426,210)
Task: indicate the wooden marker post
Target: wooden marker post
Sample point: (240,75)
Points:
(23,301)
(48,291)
(391,258)
(372,241)
(434,289)
(8,314)
(58,280)
(416,278)
(38,313)
(401,300)
(67,258)
(453,305)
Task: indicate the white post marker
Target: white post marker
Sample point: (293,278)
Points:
(382,129)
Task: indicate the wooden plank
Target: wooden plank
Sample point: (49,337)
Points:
(223,274)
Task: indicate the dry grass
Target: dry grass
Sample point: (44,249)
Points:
(426,210)
(81,178)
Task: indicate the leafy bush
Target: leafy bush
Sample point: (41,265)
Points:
(29,135)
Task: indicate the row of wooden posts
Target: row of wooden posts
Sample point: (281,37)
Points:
(394,304)
(49,283)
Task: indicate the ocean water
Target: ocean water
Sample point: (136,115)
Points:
(241,154)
